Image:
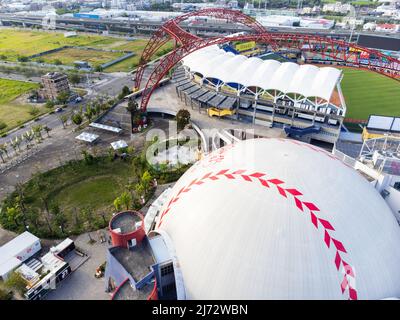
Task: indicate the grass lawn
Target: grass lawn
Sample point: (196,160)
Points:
(15,43)
(137,46)
(367,92)
(97,193)
(13,112)
(77,187)
(70,55)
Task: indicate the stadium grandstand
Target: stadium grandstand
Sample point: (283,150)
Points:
(304,99)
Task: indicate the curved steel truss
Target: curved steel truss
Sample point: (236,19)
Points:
(322,48)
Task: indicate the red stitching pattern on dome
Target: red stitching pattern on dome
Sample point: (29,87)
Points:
(301,205)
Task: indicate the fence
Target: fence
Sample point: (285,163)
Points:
(345,158)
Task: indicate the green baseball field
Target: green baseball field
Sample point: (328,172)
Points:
(367,92)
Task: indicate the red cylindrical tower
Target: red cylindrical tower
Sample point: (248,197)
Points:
(127,229)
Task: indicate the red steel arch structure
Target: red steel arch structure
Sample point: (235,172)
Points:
(186,43)
(172,30)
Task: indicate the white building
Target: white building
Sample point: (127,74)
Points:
(16,251)
(337,7)
(278,21)
(369,26)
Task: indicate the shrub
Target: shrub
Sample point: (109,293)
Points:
(49,104)
(3,125)
(16,282)
(23,59)
(34,111)
(77,118)
(5,295)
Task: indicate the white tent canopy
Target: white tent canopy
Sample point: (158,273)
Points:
(87,137)
(287,77)
(120,144)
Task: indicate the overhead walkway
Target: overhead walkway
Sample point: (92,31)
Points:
(299,132)
(228,48)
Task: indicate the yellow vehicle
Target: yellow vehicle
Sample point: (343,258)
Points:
(219,112)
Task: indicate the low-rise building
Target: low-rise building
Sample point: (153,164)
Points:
(16,251)
(54,83)
(139,266)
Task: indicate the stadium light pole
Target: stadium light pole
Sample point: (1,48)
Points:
(353,14)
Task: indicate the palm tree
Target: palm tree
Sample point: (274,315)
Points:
(17,142)
(14,145)
(37,131)
(28,136)
(2,152)
(63,118)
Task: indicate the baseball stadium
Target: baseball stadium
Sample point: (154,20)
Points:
(278,80)
(273,216)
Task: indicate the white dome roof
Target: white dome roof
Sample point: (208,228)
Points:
(281,219)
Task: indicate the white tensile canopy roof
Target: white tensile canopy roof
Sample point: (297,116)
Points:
(287,77)
(238,232)
(87,137)
(120,144)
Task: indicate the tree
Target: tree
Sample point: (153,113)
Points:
(145,181)
(37,130)
(29,136)
(182,118)
(59,218)
(3,150)
(125,91)
(123,201)
(89,113)
(16,282)
(47,129)
(49,104)
(63,97)
(74,78)
(14,215)
(139,189)
(77,118)
(63,118)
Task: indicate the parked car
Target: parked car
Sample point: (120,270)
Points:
(59,110)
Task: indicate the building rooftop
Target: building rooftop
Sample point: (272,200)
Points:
(16,245)
(136,261)
(126,292)
(54,75)
(125,221)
